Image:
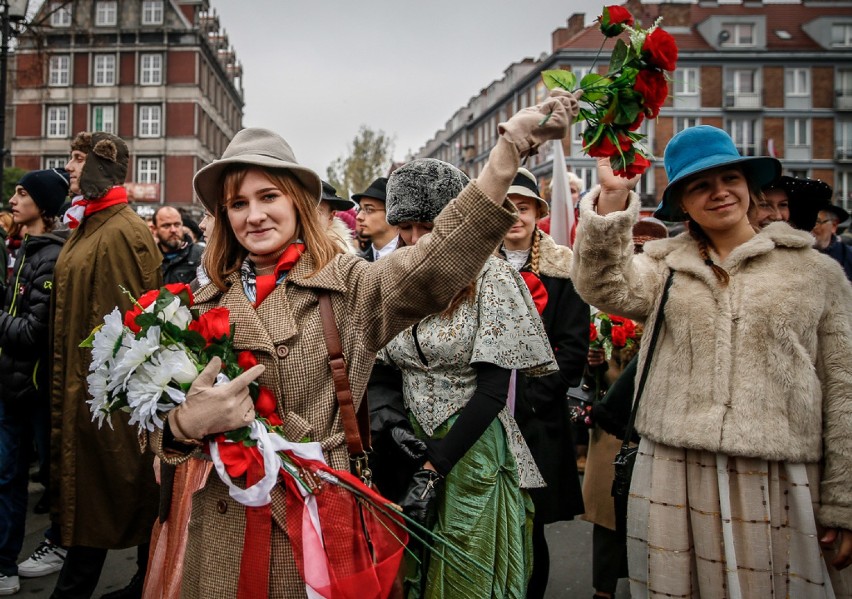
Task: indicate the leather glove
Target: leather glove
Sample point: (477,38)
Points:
(208,409)
(409,445)
(419,501)
(530,127)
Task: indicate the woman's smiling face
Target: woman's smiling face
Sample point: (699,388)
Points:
(262,216)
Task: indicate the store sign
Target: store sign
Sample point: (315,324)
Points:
(143,192)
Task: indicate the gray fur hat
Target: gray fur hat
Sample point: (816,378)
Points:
(419,190)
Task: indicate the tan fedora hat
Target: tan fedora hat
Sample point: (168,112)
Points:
(525,184)
(257,147)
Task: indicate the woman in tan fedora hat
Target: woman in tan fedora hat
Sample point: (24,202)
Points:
(268,261)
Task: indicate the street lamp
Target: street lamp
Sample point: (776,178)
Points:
(13,10)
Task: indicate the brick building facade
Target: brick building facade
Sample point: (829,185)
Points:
(158,73)
(777,77)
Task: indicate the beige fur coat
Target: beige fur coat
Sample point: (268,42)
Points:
(761,367)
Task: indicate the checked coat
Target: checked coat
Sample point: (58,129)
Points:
(372,303)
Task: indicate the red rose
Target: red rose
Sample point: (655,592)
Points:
(213,324)
(660,50)
(630,328)
(593,332)
(637,123)
(265,403)
(245,360)
(604,147)
(619,336)
(637,167)
(178,288)
(616,319)
(654,89)
(148,298)
(613,19)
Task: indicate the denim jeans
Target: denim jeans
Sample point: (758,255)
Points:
(16,438)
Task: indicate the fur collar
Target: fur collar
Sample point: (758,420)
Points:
(554,260)
(340,232)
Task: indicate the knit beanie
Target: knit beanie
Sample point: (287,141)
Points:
(419,190)
(106,162)
(48,189)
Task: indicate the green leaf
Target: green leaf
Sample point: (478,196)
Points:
(627,113)
(147,319)
(595,87)
(89,341)
(165,298)
(619,54)
(559,78)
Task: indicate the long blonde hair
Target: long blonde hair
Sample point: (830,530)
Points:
(224,254)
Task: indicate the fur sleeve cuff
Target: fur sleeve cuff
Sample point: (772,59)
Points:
(603,228)
(836,516)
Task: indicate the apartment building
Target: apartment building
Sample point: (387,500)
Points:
(160,74)
(777,76)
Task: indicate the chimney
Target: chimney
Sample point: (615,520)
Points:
(576,24)
(675,14)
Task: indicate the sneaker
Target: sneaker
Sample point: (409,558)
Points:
(46,559)
(9,585)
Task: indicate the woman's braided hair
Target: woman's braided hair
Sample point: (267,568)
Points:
(535,251)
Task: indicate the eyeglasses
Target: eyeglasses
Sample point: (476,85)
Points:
(370,209)
(822,222)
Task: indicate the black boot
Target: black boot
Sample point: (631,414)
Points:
(133,590)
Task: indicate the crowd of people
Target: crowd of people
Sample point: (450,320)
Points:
(463,324)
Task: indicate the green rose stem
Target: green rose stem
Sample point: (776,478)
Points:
(546,118)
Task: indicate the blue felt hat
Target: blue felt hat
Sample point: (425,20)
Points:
(702,148)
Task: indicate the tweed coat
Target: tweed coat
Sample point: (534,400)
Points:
(758,368)
(372,302)
(107,496)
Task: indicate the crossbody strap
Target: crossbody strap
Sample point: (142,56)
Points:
(356,428)
(646,366)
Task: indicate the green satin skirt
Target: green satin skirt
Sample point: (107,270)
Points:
(483,511)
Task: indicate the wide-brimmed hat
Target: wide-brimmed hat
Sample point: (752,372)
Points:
(647,229)
(525,184)
(702,148)
(329,194)
(806,198)
(841,214)
(419,190)
(376,191)
(257,147)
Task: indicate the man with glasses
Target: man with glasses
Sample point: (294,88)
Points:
(372,222)
(827,240)
(181,256)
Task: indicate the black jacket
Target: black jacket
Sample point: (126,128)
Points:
(182,268)
(24,321)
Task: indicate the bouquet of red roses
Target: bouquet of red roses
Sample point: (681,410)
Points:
(634,88)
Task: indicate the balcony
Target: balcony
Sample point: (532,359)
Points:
(843,100)
(843,153)
(735,100)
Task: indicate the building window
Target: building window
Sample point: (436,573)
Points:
(744,81)
(103,119)
(798,132)
(799,173)
(841,34)
(744,134)
(686,82)
(843,188)
(57,121)
(737,34)
(685,122)
(55,161)
(152,12)
(59,70)
(797,82)
(588,175)
(60,14)
(843,135)
(743,89)
(104,71)
(151,69)
(106,12)
(148,170)
(844,82)
(150,120)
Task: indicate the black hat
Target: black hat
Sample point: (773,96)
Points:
(419,190)
(806,198)
(840,213)
(329,194)
(106,162)
(47,188)
(376,191)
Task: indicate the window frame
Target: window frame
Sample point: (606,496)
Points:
(679,125)
(60,16)
(54,162)
(790,76)
(62,125)
(682,83)
(150,122)
(150,70)
(157,172)
(793,125)
(846,34)
(113,129)
(736,35)
(99,13)
(745,147)
(104,69)
(152,8)
(52,70)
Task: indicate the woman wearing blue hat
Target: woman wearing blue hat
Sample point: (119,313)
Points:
(743,482)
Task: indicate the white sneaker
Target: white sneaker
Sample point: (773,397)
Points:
(9,585)
(46,559)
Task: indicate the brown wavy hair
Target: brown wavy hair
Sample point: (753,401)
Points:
(224,254)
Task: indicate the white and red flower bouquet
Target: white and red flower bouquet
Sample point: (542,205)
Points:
(348,540)
(615,104)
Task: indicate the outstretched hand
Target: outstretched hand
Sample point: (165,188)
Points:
(841,540)
(531,126)
(614,188)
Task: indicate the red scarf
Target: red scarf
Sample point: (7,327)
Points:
(264,284)
(82,208)
(537,290)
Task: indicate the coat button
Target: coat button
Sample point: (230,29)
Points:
(282,351)
(221,506)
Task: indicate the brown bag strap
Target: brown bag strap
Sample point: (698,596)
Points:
(356,428)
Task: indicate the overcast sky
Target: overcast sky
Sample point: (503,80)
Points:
(316,71)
